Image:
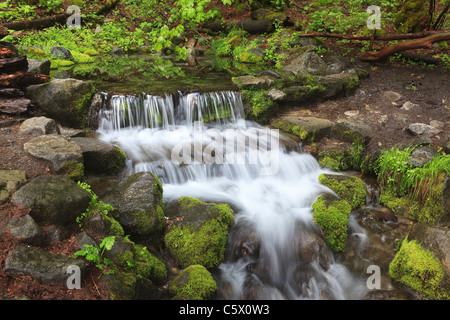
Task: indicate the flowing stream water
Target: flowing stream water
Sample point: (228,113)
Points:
(200,145)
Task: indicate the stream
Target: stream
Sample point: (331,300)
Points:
(200,145)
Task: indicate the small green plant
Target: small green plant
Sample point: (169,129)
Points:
(103,208)
(391,166)
(95,254)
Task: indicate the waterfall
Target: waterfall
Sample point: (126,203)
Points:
(200,145)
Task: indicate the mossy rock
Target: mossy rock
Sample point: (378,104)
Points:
(259,105)
(193,283)
(137,259)
(420,270)
(332,217)
(198,232)
(139,206)
(308,129)
(411,16)
(349,188)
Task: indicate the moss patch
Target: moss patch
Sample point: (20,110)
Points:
(261,107)
(193,283)
(199,236)
(332,218)
(419,269)
(73,169)
(348,188)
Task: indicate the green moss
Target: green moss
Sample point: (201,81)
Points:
(82,57)
(193,283)
(200,242)
(260,104)
(332,218)
(411,16)
(91,52)
(368,165)
(301,132)
(250,57)
(419,269)
(116,161)
(61,63)
(349,188)
(398,205)
(74,169)
(81,106)
(332,159)
(148,266)
(432,210)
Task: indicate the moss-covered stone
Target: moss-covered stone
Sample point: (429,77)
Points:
(411,16)
(193,283)
(332,218)
(73,169)
(349,188)
(420,270)
(199,233)
(259,104)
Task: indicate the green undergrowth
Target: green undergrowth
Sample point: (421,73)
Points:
(410,190)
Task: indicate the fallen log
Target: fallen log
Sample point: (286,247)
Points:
(12,65)
(21,80)
(424,43)
(40,23)
(377,37)
(46,22)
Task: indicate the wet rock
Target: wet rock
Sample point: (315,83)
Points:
(312,249)
(39,66)
(26,230)
(65,100)
(120,285)
(138,204)
(84,238)
(334,68)
(39,126)
(49,197)
(48,268)
(99,156)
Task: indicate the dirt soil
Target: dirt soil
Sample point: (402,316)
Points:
(427,88)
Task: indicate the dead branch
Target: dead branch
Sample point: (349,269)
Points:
(377,37)
(424,43)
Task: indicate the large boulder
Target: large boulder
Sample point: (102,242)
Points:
(99,156)
(197,232)
(26,230)
(65,100)
(138,205)
(53,199)
(65,155)
(48,268)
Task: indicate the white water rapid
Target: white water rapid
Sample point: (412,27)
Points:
(200,145)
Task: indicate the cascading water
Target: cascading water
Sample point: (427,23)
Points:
(200,145)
